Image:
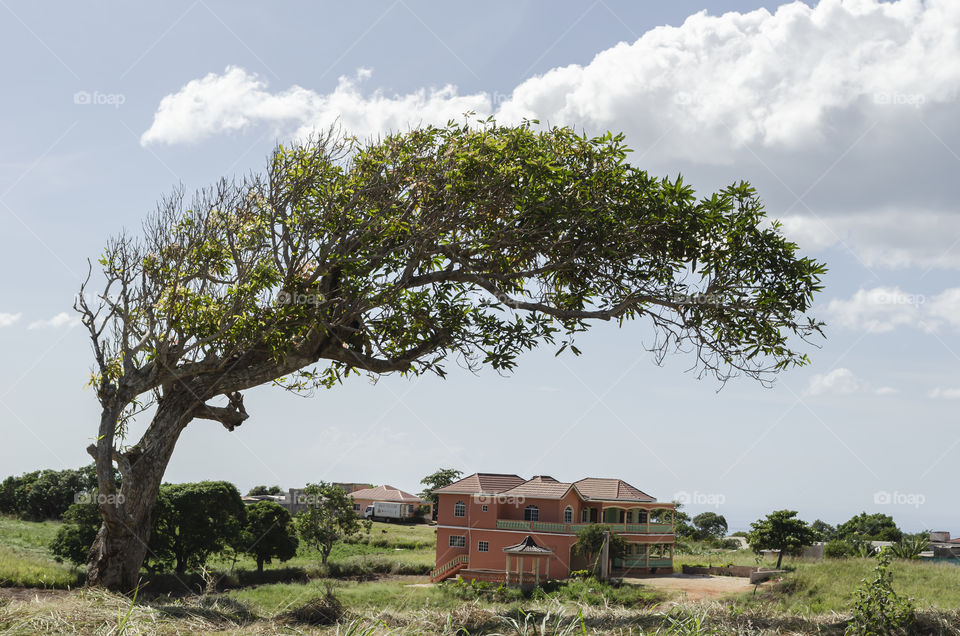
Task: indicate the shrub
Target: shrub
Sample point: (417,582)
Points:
(321,610)
(877,609)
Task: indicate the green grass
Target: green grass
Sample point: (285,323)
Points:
(25,558)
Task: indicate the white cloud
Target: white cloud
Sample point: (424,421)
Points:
(883,309)
(883,238)
(57,322)
(8,319)
(718,81)
(837,113)
(944,394)
(842,381)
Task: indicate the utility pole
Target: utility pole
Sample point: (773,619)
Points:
(605,557)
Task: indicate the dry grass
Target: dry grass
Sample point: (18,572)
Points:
(97,612)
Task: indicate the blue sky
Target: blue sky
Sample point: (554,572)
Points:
(841,113)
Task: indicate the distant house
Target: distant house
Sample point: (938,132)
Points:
(369,496)
(494,526)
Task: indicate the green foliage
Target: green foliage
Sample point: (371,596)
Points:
(264,490)
(877,609)
(45,494)
(682,527)
(710,525)
(780,530)
(329,518)
(76,535)
(864,527)
(269,533)
(911,545)
(439,479)
(194,521)
(590,543)
(824,530)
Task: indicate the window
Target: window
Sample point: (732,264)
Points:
(584,515)
(642,516)
(356,506)
(458,541)
(568,515)
(531,513)
(483,546)
(629,516)
(460,509)
(483,508)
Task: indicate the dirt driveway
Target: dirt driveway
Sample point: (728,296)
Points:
(695,587)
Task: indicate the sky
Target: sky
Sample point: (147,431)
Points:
(841,113)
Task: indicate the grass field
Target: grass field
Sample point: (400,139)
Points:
(812,598)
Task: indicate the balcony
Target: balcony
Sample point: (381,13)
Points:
(573,528)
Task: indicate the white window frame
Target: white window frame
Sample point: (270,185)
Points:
(459,509)
(568,514)
(531,513)
(483,546)
(457,541)
(483,508)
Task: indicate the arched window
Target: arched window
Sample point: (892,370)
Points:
(460,509)
(531,513)
(568,515)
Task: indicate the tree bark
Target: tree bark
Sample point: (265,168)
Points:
(779,559)
(122,542)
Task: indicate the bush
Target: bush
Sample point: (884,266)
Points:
(322,610)
(74,538)
(877,608)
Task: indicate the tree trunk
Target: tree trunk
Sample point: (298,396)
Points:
(259,565)
(121,545)
(779,559)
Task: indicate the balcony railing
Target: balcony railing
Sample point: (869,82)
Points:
(573,528)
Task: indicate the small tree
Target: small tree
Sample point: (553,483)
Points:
(76,535)
(877,608)
(681,522)
(264,490)
(194,521)
(782,531)
(437,480)
(590,544)
(710,525)
(824,530)
(269,533)
(329,518)
(864,527)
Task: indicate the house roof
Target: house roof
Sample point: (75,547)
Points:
(527,546)
(482,483)
(540,487)
(385,493)
(610,490)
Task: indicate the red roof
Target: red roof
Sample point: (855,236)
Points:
(610,490)
(483,483)
(385,493)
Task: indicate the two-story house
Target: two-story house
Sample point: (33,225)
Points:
(489,524)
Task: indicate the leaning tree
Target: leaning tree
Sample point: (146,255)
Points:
(468,242)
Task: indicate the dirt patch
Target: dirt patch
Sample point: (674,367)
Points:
(694,587)
(27,594)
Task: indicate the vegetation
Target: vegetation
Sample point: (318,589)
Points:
(709,525)
(434,481)
(45,494)
(76,535)
(329,518)
(264,490)
(864,527)
(463,243)
(590,542)
(782,531)
(269,533)
(877,608)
